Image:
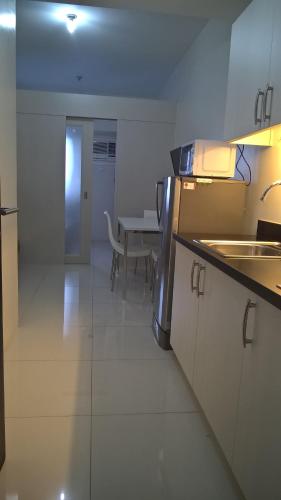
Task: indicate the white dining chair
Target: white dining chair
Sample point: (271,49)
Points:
(118,249)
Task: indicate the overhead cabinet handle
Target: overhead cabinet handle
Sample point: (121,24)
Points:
(267,107)
(250,305)
(258,119)
(200,291)
(8,211)
(192,286)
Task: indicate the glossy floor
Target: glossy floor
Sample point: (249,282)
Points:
(95,409)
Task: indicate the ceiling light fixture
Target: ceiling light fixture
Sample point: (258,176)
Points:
(8,20)
(71,22)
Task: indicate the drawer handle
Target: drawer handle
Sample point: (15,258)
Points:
(192,286)
(200,292)
(250,305)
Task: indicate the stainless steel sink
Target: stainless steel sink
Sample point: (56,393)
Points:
(244,249)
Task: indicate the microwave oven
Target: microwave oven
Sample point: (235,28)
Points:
(202,158)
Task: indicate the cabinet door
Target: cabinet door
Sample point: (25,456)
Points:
(257,452)
(275,70)
(218,362)
(248,67)
(185,310)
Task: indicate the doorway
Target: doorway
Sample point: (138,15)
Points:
(103,179)
(78,160)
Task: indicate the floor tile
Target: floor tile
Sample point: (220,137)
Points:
(81,350)
(63,294)
(47,459)
(60,313)
(125,313)
(126,342)
(140,386)
(157,457)
(47,388)
(50,342)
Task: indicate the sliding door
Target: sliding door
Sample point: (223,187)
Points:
(78,162)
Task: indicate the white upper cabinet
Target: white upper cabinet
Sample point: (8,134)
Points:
(274,105)
(249,69)
(185,309)
(257,453)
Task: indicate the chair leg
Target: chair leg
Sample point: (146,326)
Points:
(136,265)
(112,265)
(153,277)
(146,274)
(113,272)
(151,273)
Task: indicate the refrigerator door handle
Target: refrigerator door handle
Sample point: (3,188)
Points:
(160,183)
(8,211)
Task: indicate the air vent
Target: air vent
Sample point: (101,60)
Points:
(104,150)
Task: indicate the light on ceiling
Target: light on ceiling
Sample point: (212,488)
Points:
(71,22)
(8,20)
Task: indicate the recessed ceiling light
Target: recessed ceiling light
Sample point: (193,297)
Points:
(8,20)
(71,22)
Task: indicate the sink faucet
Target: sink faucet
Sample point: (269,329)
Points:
(276,183)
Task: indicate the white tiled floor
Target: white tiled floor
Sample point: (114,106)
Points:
(95,409)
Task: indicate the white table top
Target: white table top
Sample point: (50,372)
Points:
(141,224)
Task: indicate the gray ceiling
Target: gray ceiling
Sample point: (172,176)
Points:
(116,51)
(226,9)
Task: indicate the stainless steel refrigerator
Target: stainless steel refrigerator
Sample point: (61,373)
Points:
(190,205)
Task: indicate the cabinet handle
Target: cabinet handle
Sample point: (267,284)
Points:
(194,265)
(260,94)
(250,305)
(200,292)
(269,91)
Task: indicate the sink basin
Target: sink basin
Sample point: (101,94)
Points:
(244,249)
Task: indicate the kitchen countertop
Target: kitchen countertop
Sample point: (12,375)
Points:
(258,275)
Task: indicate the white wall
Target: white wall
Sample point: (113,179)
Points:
(265,163)
(142,159)
(8,173)
(144,138)
(91,106)
(199,83)
(41,153)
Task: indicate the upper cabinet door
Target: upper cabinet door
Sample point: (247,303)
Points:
(249,69)
(274,101)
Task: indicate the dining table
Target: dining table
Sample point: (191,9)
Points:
(143,225)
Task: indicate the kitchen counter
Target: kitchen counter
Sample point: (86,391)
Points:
(258,275)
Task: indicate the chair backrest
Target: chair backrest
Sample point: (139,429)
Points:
(110,232)
(150,213)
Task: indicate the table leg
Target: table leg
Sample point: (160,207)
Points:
(125,264)
(119,232)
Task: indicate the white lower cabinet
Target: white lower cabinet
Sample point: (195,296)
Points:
(257,451)
(185,309)
(228,342)
(219,354)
